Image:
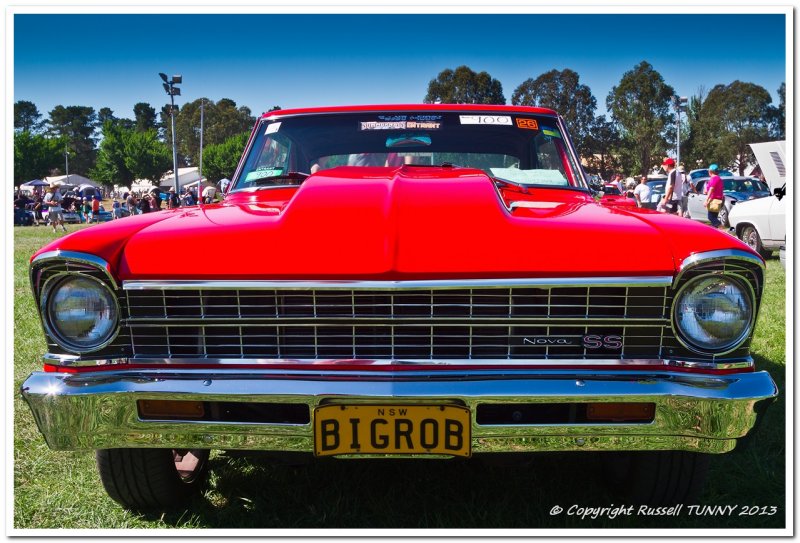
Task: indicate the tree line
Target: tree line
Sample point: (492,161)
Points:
(119,150)
(638,132)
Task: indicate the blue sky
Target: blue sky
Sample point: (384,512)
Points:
(296,60)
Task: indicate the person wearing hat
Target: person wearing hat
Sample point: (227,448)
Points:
(674,189)
(715,197)
(172,199)
(52,201)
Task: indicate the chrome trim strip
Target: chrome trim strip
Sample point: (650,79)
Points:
(306,364)
(56,257)
(98,410)
(638,322)
(73,256)
(654,281)
(702,258)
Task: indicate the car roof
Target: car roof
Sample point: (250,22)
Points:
(413,107)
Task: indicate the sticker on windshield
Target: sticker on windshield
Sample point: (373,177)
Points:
(266,172)
(272,128)
(529,124)
(403,124)
(551,132)
(494,120)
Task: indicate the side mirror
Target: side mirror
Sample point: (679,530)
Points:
(780,192)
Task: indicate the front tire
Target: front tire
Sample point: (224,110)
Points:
(750,236)
(723,217)
(658,477)
(147,479)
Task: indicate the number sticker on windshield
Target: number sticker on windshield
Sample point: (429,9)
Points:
(272,128)
(494,120)
(529,124)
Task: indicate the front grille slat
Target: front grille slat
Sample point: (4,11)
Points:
(473,323)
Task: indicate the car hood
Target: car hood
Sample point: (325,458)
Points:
(393,224)
(751,210)
(743,196)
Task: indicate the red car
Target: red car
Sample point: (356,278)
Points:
(612,197)
(399,281)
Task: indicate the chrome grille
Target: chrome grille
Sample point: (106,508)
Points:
(456,323)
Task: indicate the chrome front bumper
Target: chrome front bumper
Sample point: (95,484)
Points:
(97,410)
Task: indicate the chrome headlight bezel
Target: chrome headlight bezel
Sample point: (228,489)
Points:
(51,287)
(737,339)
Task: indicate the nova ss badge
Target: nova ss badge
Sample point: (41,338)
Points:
(589,341)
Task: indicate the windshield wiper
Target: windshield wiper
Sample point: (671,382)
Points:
(294,176)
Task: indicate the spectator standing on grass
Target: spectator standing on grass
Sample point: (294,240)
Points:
(186,198)
(130,201)
(95,209)
(714,191)
(172,199)
(86,210)
(618,182)
(642,193)
(144,204)
(155,203)
(673,191)
(687,188)
(52,201)
(37,208)
(116,210)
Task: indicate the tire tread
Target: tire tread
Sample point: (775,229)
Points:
(144,479)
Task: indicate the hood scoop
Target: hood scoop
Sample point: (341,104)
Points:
(391,224)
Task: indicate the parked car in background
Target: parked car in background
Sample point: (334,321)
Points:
(736,189)
(612,197)
(476,303)
(23,217)
(761,223)
(70,217)
(703,172)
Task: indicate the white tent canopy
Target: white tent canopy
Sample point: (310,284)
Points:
(142,185)
(71,179)
(186,176)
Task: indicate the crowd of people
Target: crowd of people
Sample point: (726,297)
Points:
(678,186)
(49,207)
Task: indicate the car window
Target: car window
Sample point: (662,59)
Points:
(524,149)
(700,186)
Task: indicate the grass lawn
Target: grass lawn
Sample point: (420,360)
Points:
(62,489)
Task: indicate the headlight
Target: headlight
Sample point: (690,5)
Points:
(713,313)
(81,313)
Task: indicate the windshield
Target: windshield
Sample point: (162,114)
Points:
(524,149)
(743,185)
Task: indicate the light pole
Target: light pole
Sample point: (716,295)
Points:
(173,91)
(66,161)
(199,183)
(679,102)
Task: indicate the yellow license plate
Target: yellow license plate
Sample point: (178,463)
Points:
(391,429)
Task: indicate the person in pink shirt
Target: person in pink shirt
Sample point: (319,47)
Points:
(714,191)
